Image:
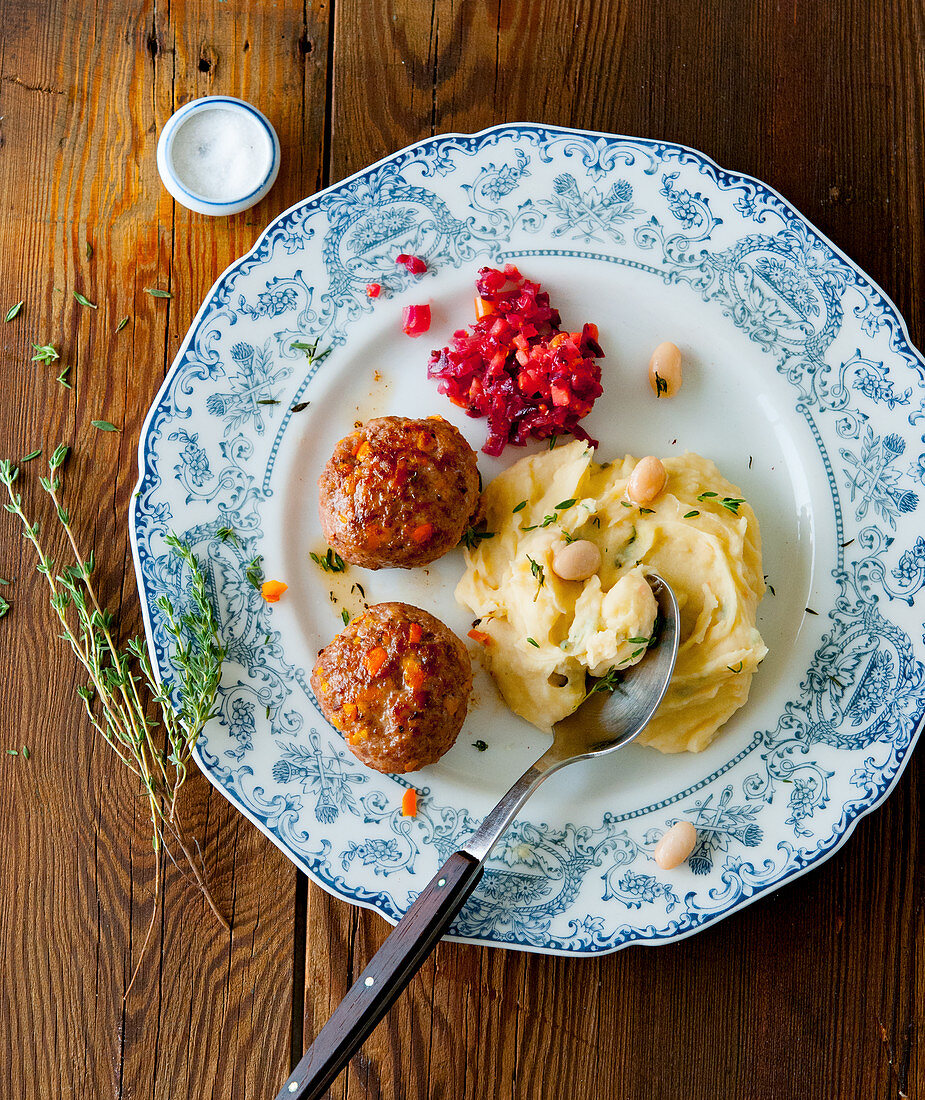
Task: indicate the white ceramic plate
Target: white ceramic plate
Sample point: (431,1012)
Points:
(800,382)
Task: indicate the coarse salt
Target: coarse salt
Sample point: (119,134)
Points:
(221,155)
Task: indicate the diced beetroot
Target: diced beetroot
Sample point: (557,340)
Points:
(373,290)
(415,320)
(413,263)
(516,368)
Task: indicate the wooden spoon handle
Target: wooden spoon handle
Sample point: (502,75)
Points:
(389,971)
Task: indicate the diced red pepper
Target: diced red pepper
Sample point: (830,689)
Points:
(373,290)
(413,263)
(415,320)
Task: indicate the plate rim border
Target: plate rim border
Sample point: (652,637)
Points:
(704,921)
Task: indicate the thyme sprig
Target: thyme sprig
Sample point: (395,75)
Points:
(121,680)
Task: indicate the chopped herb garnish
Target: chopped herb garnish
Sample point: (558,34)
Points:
(735,668)
(480,745)
(565,504)
(301,405)
(254,572)
(32,454)
(626,503)
(647,511)
(89,251)
(567,535)
(691,514)
(359,588)
(104,425)
(771,589)
(810,611)
(311,350)
(25,751)
(44,354)
(846,544)
(638,641)
(84,301)
(749,461)
(553,440)
(13,311)
(345,615)
(121,325)
(610,681)
(707,495)
(534,642)
(547,520)
(156,292)
(267,401)
(268,710)
(13,752)
(226,533)
(732,504)
(661,386)
(4,607)
(332,562)
(472,536)
(537,570)
(596,520)
(519,507)
(266,640)
(62,377)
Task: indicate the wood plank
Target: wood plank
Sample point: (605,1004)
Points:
(84,94)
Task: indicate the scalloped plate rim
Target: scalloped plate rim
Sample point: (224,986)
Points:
(706,919)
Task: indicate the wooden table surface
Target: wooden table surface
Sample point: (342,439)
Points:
(815,991)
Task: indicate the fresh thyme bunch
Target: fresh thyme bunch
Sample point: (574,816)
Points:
(122,681)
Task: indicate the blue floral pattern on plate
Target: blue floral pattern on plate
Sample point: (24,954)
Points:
(783,798)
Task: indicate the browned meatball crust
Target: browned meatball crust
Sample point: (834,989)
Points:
(396,683)
(398,492)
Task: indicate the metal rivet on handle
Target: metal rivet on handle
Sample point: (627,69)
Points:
(441,882)
(293,1085)
(369,981)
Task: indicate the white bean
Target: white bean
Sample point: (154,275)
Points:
(647,480)
(676,845)
(665,370)
(577,561)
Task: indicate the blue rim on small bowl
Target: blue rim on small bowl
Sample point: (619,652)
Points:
(198,203)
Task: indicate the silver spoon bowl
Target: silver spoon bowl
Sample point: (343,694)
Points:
(602,724)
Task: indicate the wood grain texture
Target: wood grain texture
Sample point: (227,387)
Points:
(816,991)
(84,93)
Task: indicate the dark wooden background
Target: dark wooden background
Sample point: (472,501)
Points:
(816,991)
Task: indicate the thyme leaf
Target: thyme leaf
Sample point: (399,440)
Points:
(253,571)
(13,311)
(332,562)
(84,301)
(311,350)
(104,426)
(121,325)
(472,536)
(44,354)
(156,292)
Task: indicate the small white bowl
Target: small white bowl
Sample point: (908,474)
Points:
(251,159)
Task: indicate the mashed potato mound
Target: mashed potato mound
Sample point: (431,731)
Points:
(544,634)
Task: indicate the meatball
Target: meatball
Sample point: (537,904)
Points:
(396,683)
(398,492)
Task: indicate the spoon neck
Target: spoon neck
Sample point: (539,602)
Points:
(494,825)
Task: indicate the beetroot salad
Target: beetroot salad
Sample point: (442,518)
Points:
(517,367)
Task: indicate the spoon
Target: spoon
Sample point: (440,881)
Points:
(602,724)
